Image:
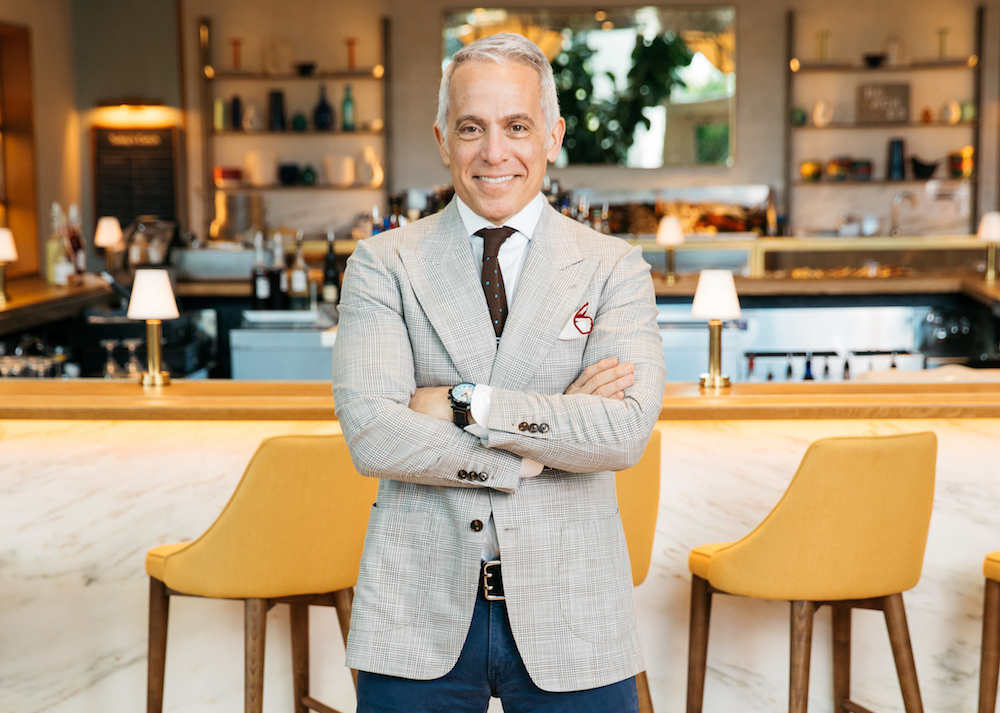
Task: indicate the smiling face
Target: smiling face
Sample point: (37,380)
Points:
(496,143)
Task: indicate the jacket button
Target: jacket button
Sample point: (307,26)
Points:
(462,474)
(483,477)
(523,426)
(533,428)
(476,525)
(472,475)
(543,428)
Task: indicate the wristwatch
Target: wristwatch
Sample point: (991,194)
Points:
(461,403)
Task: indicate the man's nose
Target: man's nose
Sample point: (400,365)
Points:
(494,148)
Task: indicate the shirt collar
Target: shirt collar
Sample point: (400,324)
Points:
(523,222)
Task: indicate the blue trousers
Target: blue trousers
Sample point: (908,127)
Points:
(489,666)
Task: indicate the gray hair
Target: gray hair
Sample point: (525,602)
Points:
(502,48)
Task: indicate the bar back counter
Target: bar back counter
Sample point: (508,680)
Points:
(95,473)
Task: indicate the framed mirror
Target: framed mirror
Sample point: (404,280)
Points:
(641,87)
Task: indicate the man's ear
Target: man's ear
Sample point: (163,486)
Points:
(555,140)
(442,145)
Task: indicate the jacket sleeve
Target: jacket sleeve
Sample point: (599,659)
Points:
(588,433)
(373,380)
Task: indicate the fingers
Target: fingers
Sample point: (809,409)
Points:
(588,373)
(606,378)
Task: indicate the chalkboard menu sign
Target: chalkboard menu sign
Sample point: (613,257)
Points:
(135,173)
(883,103)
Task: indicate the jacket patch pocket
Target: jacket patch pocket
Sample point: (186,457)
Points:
(392,580)
(596,579)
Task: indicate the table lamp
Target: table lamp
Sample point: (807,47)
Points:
(153,300)
(669,234)
(8,253)
(989,233)
(109,236)
(715,300)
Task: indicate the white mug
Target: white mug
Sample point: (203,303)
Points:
(339,170)
(822,113)
(260,168)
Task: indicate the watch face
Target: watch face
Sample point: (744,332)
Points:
(462,394)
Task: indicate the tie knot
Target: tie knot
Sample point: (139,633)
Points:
(493,238)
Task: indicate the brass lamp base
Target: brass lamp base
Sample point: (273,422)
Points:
(991,263)
(714,381)
(160,378)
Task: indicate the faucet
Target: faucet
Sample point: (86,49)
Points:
(896,202)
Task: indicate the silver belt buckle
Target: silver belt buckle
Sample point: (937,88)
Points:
(487,587)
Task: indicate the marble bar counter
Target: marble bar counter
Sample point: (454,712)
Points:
(94,474)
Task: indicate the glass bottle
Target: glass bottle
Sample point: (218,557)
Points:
(74,240)
(323,118)
(347,110)
(277,275)
(260,281)
(54,250)
(298,287)
(331,290)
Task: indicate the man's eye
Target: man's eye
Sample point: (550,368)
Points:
(518,128)
(468,130)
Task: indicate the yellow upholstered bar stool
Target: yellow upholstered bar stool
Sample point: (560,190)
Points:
(292,533)
(849,532)
(989,667)
(639,504)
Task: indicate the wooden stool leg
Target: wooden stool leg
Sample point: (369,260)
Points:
(989,665)
(642,689)
(159,612)
(254,630)
(300,654)
(802,626)
(701,611)
(899,637)
(841,619)
(343,600)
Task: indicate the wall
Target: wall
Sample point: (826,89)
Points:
(122,50)
(57,142)
(855,27)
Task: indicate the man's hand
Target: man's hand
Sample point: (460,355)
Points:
(433,401)
(606,378)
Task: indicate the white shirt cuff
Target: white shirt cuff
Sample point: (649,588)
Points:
(482,399)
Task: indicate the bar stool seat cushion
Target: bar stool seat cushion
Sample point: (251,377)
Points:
(991,566)
(156,559)
(292,509)
(700,559)
(851,525)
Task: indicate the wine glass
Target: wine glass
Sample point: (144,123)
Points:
(112,370)
(133,367)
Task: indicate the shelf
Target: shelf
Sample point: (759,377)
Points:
(861,184)
(834,125)
(297,187)
(961,63)
(377,72)
(310,132)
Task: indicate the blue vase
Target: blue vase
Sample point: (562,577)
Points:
(323,113)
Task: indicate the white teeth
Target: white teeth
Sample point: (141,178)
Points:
(491,179)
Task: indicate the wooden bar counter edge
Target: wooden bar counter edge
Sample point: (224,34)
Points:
(96,399)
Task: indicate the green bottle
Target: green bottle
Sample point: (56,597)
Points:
(347,110)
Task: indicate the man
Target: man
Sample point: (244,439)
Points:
(492,442)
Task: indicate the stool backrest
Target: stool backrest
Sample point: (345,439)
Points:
(851,525)
(295,525)
(639,503)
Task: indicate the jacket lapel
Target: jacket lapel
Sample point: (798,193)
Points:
(548,294)
(445,279)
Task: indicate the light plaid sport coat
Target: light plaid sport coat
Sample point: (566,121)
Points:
(413,314)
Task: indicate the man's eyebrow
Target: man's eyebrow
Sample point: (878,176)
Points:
(523,118)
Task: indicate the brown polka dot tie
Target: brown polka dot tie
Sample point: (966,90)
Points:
(492,278)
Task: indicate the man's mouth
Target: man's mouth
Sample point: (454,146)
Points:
(495,179)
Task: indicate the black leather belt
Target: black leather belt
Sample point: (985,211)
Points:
(491,581)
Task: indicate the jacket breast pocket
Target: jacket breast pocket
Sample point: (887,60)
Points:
(391,582)
(596,579)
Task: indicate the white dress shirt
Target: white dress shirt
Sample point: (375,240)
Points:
(511,257)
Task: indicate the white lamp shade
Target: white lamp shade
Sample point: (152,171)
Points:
(989,227)
(8,251)
(716,296)
(152,297)
(669,233)
(108,233)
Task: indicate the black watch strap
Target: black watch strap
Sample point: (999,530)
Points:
(461,416)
